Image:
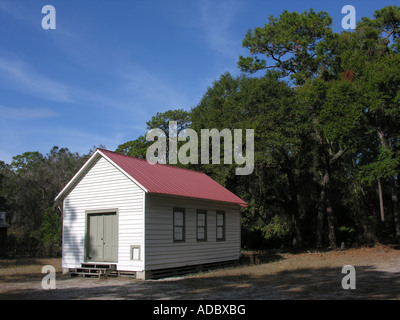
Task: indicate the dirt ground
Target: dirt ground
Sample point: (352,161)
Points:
(307,275)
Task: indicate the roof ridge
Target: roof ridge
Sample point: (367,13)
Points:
(145,160)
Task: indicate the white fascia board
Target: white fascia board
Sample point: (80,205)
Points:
(88,163)
(76,177)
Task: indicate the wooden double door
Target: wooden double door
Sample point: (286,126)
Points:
(102,237)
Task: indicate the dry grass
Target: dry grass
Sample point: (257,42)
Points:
(307,275)
(20,270)
(312,275)
(268,264)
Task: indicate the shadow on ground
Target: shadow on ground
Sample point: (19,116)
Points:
(321,283)
(253,258)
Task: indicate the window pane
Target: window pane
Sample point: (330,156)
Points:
(220,233)
(200,233)
(135,254)
(201,219)
(220,219)
(178,233)
(178,216)
(179,224)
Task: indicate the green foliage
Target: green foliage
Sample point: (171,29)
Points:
(320,145)
(386,23)
(278,228)
(29,186)
(290,42)
(346,235)
(51,231)
(326,117)
(341,113)
(27,161)
(136,148)
(385,166)
(162,119)
(268,106)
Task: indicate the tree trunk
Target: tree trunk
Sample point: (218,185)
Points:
(395,204)
(329,210)
(327,159)
(331,224)
(393,190)
(294,209)
(381,200)
(298,236)
(320,220)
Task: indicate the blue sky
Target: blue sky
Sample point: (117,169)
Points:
(110,65)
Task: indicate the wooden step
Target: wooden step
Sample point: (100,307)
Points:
(86,274)
(94,269)
(91,270)
(99,265)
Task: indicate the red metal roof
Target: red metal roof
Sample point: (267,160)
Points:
(170,180)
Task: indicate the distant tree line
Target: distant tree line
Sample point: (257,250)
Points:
(325,109)
(28,187)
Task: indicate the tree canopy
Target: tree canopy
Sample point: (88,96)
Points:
(325,109)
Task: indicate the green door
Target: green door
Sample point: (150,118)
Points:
(102,240)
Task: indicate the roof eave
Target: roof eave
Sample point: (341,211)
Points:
(87,164)
(240,204)
(123,171)
(76,177)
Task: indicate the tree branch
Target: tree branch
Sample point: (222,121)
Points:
(338,154)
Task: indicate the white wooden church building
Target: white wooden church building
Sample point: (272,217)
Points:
(140,218)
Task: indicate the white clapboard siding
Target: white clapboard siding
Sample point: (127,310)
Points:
(163,252)
(104,187)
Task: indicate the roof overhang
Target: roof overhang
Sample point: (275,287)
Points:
(240,204)
(95,156)
(77,176)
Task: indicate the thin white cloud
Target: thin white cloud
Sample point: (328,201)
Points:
(15,10)
(217,20)
(17,140)
(151,90)
(75,139)
(20,76)
(25,113)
